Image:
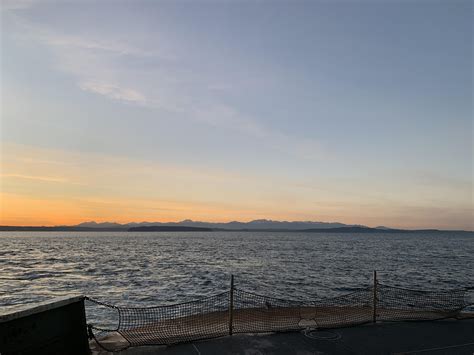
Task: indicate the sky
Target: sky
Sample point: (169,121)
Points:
(352,111)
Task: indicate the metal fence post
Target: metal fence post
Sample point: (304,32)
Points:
(374,315)
(231,304)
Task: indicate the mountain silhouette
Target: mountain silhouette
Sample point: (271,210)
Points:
(234,225)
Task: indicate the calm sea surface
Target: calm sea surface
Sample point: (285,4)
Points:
(142,269)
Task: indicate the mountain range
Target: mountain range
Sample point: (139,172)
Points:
(196,226)
(234,225)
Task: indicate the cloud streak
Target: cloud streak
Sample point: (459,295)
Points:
(114,92)
(33,177)
(13,5)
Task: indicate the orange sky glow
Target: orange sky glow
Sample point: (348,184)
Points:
(50,187)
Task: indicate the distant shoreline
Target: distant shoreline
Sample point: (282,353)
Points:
(366,230)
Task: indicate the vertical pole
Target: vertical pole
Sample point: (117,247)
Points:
(374,315)
(231,304)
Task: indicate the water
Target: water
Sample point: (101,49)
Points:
(140,269)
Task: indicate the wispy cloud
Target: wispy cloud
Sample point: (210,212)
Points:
(96,65)
(219,115)
(33,177)
(90,61)
(57,39)
(17,4)
(224,116)
(114,92)
(77,42)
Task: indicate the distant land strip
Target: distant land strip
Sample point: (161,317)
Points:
(349,229)
(169,229)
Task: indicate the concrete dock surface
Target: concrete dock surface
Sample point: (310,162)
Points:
(430,337)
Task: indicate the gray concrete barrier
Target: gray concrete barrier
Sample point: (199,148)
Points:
(54,327)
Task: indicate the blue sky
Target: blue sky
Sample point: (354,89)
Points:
(356,111)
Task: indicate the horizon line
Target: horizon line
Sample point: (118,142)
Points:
(235,221)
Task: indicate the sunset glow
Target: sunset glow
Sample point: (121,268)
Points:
(270,116)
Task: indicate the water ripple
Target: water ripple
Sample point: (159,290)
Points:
(162,268)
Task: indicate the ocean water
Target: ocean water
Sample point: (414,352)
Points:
(144,269)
